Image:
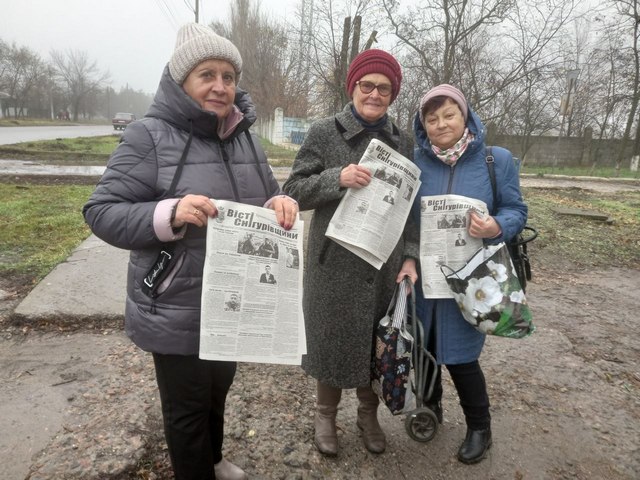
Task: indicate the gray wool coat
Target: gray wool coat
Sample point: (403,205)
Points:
(344,296)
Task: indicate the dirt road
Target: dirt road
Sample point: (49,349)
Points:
(565,403)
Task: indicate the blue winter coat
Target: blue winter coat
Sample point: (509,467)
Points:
(455,341)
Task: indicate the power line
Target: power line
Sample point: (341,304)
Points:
(195,10)
(166,11)
(171,11)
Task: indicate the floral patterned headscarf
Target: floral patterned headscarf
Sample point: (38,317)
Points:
(451,155)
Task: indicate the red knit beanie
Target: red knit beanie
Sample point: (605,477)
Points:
(374,61)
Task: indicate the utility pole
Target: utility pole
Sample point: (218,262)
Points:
(51,92)
(108,102)
(303,68)
(197,10)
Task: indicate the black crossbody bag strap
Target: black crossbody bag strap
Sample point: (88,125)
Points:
(183,159)
(517,246)
(255,158)
(491,162)
(160,268)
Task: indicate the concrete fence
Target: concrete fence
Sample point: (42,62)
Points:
(564,151)
(543,151)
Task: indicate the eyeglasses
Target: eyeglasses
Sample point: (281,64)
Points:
(384,89)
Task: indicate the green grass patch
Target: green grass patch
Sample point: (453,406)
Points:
(39,226)
(96,151)
(278,156)
(581,241)
(104,145)
(61,151)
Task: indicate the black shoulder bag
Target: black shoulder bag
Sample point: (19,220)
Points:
(517,246)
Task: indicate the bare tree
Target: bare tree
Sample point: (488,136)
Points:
(21,70)
(341,30)
(80,76)
(404,107)
(4,62)
(532,42)
(454,42)
(629,11)
(601,94)
(501,53)
(435,32)
(267,59)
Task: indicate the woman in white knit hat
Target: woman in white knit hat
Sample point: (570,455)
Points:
(192,146)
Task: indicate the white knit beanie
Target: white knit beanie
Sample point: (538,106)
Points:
(197,43)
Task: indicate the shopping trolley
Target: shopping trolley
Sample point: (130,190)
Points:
(421,424)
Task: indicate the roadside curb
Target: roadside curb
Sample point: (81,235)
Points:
(90,284)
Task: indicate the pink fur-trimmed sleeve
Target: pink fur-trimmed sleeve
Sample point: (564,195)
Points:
(162,221)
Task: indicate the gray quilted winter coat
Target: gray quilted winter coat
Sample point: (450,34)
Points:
(138,176)
(344,296)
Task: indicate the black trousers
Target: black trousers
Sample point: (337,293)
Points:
(470,385)
(472,392)
(193,394)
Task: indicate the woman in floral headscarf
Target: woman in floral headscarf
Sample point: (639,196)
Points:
(451,154)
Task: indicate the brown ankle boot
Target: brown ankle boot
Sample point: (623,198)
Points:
(372,435)
(326,436)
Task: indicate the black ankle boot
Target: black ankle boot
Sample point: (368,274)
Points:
(436,407)
(475,446)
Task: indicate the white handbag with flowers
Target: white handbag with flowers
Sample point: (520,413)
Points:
(489,293)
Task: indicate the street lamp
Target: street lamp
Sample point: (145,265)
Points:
(566,105)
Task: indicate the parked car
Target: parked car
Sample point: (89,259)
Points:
(121,120)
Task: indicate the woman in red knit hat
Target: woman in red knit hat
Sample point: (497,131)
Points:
(344,296)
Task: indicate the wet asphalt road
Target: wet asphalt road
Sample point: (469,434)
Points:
(9,135)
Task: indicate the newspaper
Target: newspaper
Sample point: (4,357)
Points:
(444,239)
(252,288)
(369,221)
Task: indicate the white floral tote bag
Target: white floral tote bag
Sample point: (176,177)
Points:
(489,293)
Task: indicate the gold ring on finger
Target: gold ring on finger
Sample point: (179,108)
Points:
(196,212)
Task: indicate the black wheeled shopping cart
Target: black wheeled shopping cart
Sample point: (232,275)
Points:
(401,363)
(422,423)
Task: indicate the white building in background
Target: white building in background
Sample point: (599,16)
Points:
(282,130)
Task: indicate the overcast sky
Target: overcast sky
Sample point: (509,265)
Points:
(132,39)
